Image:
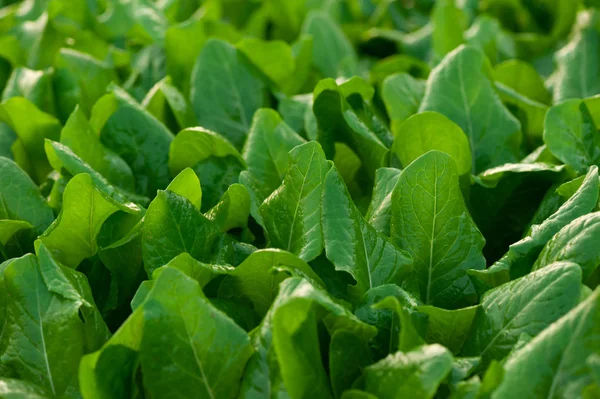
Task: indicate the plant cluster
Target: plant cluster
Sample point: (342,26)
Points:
(299,199)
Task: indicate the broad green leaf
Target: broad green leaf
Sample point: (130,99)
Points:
(348,355)
(80,137)
(183,43)
(460,88)
(225,93)
(258,277)
(182,332)
(172,309)
(32,126)
(216,162)
(65,161)
(331,48)
(487,34)
(571,135)
(339,121)
(576,242)
(136,136)
(292,213)
(293,366)
(522,254)
(449,23)
(187,185)
(266,153)
(428,131)
(379,212)
(416,374)
(430,221)
(202,272)
(45,305)
(553,363)
(411,324)
(577,74)
(233,209)
(530,113)
(448,327)
(80,79)
(526,305)
(169,106)
(273,58)
(353,245)
(402,95)
(296,340)
(397,64)
(384,318)
(522,78)
(72,236)
(21,199)
(173,225)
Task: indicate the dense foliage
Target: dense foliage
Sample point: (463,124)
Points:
(275,199)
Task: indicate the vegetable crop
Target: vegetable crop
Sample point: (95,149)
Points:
(302,199)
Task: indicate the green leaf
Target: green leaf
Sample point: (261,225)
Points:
(428,131)
(571,135)
(273,58)
(430,221)
(233,210)
(553,363)
(402,95)
(65,161)
(182,331)
(226,107)
(292,213)
(266,153)
(460,89)
(449,23)
(216,162)
(169,106)
(21,199)
(298,306)
(411,323)
(339,121)
(526,305)
(81,138)
(379,212)
(576,242)
(448,327)
(80,79)
(353,245)
(136,136)
(173,225)
(348,356)
(522,78)
(331,48)
(44,307)
(577,74)
(202,272)
(257,278)
(417,373)
(32,126)
(72,236)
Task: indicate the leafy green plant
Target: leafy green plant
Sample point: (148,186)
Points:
(340,199)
